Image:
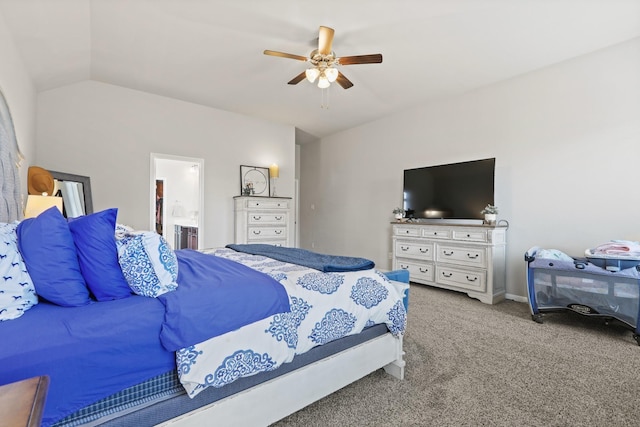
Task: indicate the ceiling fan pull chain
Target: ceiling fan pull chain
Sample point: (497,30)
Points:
(324,94)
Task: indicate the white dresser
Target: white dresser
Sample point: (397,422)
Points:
(465,258)
(263,220)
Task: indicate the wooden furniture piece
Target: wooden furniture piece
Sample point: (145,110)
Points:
(465,258)
(22,402)
(263,220)
(186,237)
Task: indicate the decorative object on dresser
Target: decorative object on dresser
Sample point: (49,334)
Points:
(254,181)
(490,213)
(263,220)
(398,213)
(274,174)
(463,257)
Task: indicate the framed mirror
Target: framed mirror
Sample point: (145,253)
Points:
(75,191)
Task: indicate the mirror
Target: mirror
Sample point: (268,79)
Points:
(75,191)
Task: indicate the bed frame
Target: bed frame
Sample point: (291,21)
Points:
(327,375)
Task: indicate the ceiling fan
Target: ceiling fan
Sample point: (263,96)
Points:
(324,62)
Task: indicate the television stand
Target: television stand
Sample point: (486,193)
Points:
(464,257)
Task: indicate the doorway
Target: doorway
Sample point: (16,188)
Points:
(177,199)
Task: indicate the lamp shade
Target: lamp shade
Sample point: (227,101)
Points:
(38,204)
(274,171)
(331,73)
(312,74)
(323,82)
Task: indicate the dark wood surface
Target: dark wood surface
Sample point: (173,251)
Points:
(22,402)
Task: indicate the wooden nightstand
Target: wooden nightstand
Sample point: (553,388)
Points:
(22,402)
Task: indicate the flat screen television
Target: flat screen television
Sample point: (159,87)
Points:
(451,191)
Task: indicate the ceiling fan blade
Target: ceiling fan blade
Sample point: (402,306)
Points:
(375,58)
(285,55)
(297,79)
(343,81)
(325,39)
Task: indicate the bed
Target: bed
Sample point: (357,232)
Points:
(126,361)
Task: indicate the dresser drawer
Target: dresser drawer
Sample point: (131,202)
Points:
(407,231)
(267,218)
(475,257)
(414,250)
(470,235)
(257,233)
(268,204)
(417,270)
(436,233)
(465,279)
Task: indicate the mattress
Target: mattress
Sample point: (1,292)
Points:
(162,398)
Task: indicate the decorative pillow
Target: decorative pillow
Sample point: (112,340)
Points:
(46,244)
(148,263)
(95,242)
(17,293)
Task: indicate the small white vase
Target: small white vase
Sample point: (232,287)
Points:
(490,218)
(398,217)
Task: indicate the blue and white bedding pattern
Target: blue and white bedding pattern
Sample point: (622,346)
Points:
(324,307)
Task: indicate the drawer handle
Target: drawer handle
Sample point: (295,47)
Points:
(472,279)
(474,256)
(447,274)
(424,270)
(404,248)
(435,233)
(424,251)
(278,218)
(468,235)
(257,218)
(278,231)
(256,232)
(447,253)
(404,267)
(406,231)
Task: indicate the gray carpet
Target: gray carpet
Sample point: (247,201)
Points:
(472,364)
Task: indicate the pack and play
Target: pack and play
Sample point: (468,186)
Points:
(590,287)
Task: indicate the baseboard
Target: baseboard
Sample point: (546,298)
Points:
(517,298)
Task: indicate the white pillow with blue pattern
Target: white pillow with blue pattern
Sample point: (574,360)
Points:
(17,293)
(148,263)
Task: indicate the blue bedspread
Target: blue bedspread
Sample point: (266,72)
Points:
(93,351)
(322,262)
(89,352)
(211,299)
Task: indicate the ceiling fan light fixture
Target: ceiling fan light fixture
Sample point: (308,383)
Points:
(331,73)
(312,74)
(323,82)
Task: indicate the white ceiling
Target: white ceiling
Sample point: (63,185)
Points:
(209,52)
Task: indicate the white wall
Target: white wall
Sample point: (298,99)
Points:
(108,132)
(567,146)
(20,94)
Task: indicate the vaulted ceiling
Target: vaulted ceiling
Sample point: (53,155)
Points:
(210,52)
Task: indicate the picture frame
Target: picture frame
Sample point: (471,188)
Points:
(254,181)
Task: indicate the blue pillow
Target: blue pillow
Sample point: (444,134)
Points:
(148,263)
(46,245)
(94,237)
(17,293)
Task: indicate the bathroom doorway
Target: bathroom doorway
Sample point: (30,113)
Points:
(177,199)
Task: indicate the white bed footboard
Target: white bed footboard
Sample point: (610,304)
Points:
(273,400)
